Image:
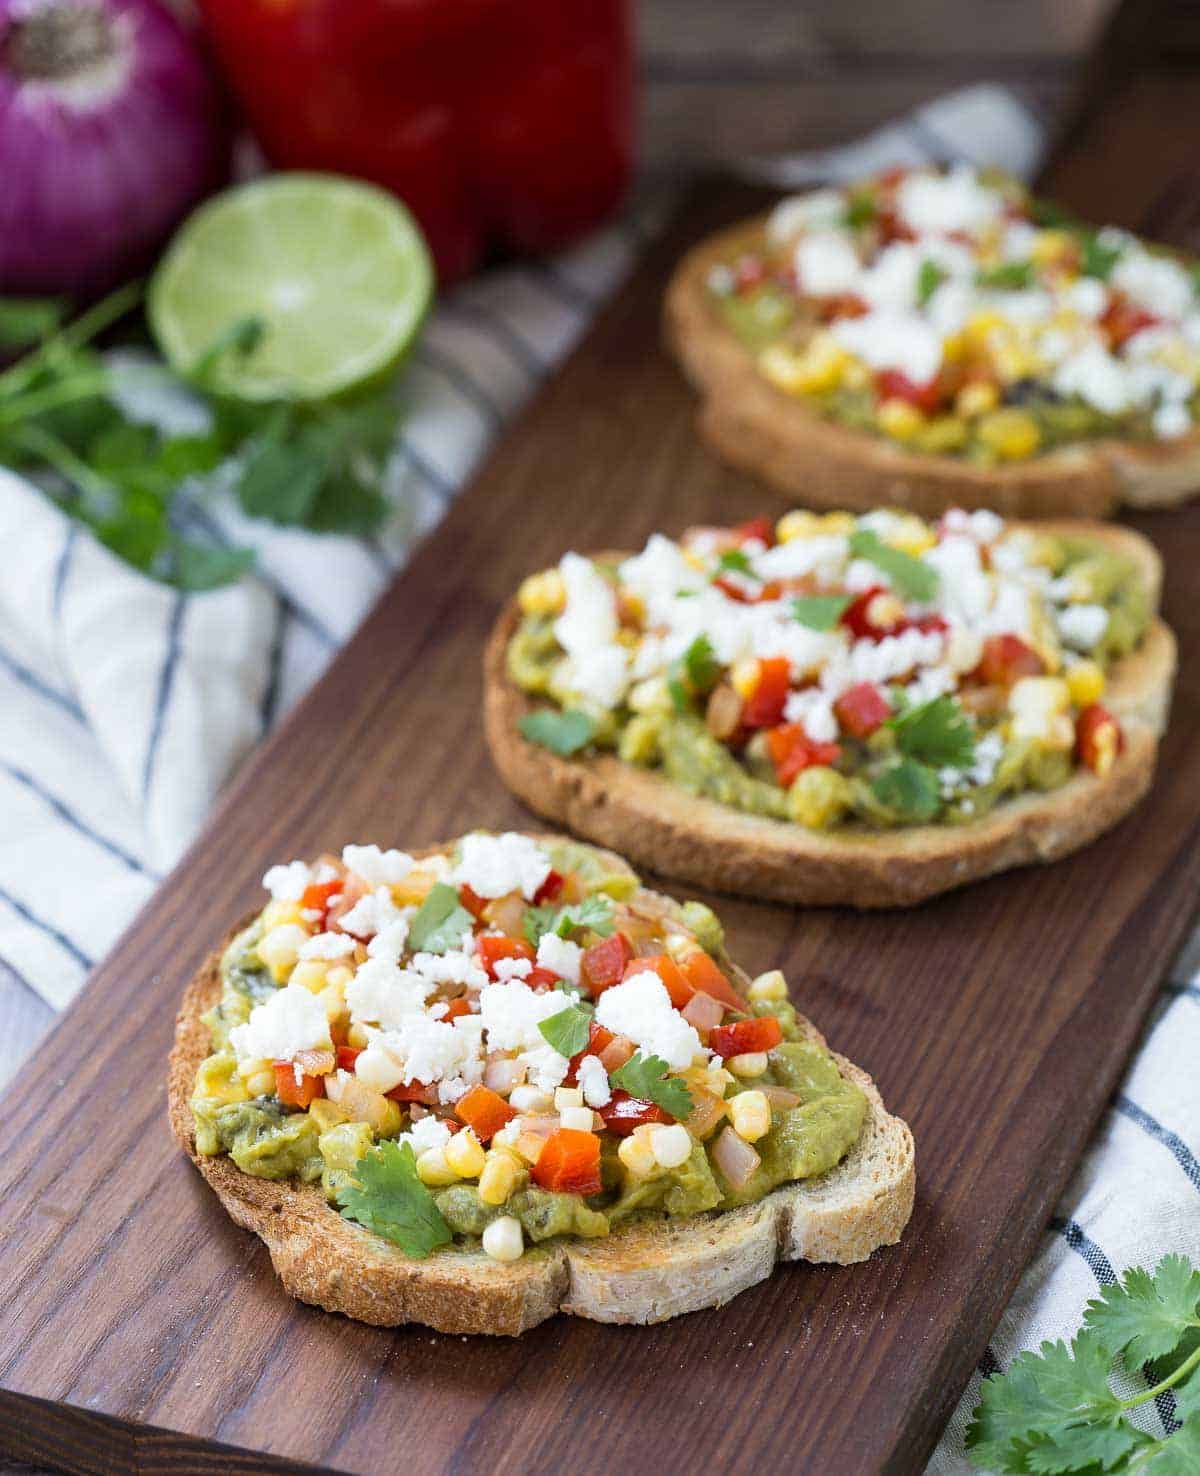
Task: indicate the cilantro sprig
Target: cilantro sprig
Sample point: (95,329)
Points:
(568,1031)
(1008,276)
(694,673)
(440,921)
(594,913)
(646,1077)
(387,1197)
(936,732)
(563,732)
(820,612)
(930,277)
(735,561)
(910,790)
(913,578)
(1056,1411)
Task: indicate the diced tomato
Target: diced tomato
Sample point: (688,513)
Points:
(603,964)
(862,709)
(318,895)
(854,616)
(292,1094)
(764,707)
(569,1163)
(892,228)
(702,973)
(540,979)
(484,1110)
(490,948)
(346,1057)
(843,305)
(746,1036)
(1122,319)
(414,1091)
(668,971)
(1005,659)
(892,384)
(734,591)
(624,1113)
(472,901)
(761,528)
(792,750)
(456,1008)
(598,1039)
(550,888)
(890,178)
(1098,739)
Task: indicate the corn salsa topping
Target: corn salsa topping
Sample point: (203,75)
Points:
(836,670)
(948,311)
(507,1044)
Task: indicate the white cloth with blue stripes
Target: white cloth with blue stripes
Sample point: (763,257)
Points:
(124,706)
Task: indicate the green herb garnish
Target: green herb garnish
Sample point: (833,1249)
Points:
(594,913)
(1009,276)
(930,277)
(568,1031)
(1056,1411)
(912,577)
(910,789)
(390,1199)
(735,561)
(694,673)
(861,210)
(564,732)
(935,732)
(820,612)
(646,1077)
(440,921)
(1098,261)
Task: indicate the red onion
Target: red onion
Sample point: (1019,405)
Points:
(735,1158)
(703,1011)
(111,129)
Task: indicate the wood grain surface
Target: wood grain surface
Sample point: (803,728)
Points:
(143,1332)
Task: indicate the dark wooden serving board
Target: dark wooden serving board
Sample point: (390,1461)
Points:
(141,1331)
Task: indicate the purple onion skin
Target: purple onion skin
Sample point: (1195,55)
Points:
(98,166)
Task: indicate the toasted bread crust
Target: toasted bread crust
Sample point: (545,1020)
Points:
(645,1272)
(696,840)
(780,440)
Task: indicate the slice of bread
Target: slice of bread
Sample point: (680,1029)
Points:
(658,825)
(786,444)
(646,1271)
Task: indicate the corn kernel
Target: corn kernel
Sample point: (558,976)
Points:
(499,1177)
(415,887)
(982,324)
(277,912)
(464,1154)
(954,348)
(543,593)
(637,1155)
(280,948)
(652,695)
(327,1114)
(671,1146)
(530,1099)
(1013,361)
(771,985)
(899,419)
(749,1063)
(578,1118)
(964,649)
(218,1080)
(914,537)
(1051,246)
(432,1169)
(1011,434)
(357,1037)
(254,1066)
(885,609)
(838,523)
(797,524)
(1085,682)
(507,1137)
(504,1239)
(856,375)
(529,1146)
(750,1113)
(1035,703)
(567,1097)
(819,796)
(333,999)
(312,973)
(262,1084)
(744,677)
(977,398)
(816,368)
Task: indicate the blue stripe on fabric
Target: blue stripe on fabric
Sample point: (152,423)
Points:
(1172,1142)
(64,813)
(49,929)
(464,383)
(43,689)
(442,485)
(63,568)
(166,680)
(500,333)
(989,1364)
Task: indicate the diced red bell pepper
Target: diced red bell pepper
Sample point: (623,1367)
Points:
(569,1163)
(1005,659)
(598,1040)
(668,971)
(472,901)
(414,1091)
(792,750)
(317,897)
(1122,319)
(293,1094)
(490,948)
(862,709)
(623,1113)
(1098,739)
(346,1057)
(854,616)
(485,1111)
(892,228)
(760,528)
(550,888)
(455,1009)
(540,979)
(764,707)
(843,305)
(744,1037)
(603,964)
(704,977)
(892,384)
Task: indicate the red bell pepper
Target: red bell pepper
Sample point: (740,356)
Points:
(761,528)
(704,977)
(540,979)
(792,750)
(598,1039)
(472,901)
(498,122)
(1098,739)
(346,1057)
(744,1037)
(891,384)
(1005,659)
(414,1091)
(623,1113)
(296,1094)
(485,1111)
(1122,319)
(764,706)
(603,964)
(862,709)
(490,948)
(455,1009)
(569,1163)
(668,971)
(319,896)
(550,888)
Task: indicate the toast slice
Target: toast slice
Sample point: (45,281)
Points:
(778,439)
(644,1272)
(707,844)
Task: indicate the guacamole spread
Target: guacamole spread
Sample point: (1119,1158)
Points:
(950,313)
(507,1045)
(838,671)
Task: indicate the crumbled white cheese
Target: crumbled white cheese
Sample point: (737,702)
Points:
(1082,626)
(455,966)
(287,883)
(429,1050)
(1156,283)
(560,956)
(886,339)
(371,914)
(290,1021)
(511,1013)
(593,1082)
(383,994)
(494,865)
(1096,377)
(377,868)
(641,1009)
(1172,420)
(823,556)
(882,661)
(964,589)
(327,945)
(390,940)
(425,1133)
(1087,296)
(511,968)
(812,708)
(826,263)
(801,212)
(954,201)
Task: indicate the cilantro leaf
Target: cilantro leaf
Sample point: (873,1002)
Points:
(391,1200)
(734,561)
(568,1031)
(910,789)
(693,673)
(1083,1448)
(1098,261)
(930,277)
(1145,1316)
(936,732)
(820,612)
(646,1077)
(564,732)
(1009,276)
(1179,1456)
(860,211)
(594,912)
(440,921)
(912,577)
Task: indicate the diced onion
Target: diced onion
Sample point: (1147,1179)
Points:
(616,1053)
(780,1097)
(362,1103)
(703,1011)
(735,1158)
(315,1063)
(503,1074)
(707,1110)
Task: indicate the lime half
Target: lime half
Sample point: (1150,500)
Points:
(336,271)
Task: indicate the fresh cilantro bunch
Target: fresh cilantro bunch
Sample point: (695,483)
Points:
(388,1197)
(1055,1411)
(930,736)
(318,466)
(594,913)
